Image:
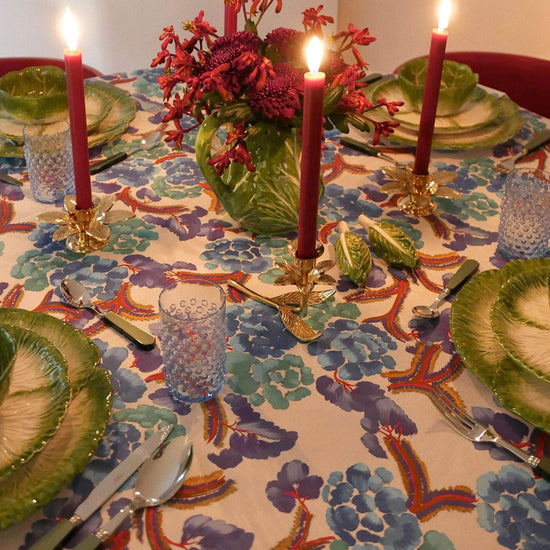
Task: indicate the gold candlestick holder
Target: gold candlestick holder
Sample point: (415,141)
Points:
(85,230)
(305,274)
(418,189)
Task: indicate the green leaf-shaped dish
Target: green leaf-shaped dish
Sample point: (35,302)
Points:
(40,92)
(38,397)
(393,244)
(481,352)
(121,109)
(353,256)
(76,439)
(7,358)
(520,318)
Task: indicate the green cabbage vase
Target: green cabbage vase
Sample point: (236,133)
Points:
(265,201)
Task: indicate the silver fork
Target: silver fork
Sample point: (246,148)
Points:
(538,140)
(469,428)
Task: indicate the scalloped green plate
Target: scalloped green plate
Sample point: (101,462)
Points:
(121,110)
(481,352)
(487,120)
(35,483)
(520,318)
(39,393)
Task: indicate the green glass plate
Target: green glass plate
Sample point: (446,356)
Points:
(121,109)
(36,402)
(477,344)
(521,320)
(35,483)
(486,120)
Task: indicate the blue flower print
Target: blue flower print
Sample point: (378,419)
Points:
(366,512)
(515,506)
(355,349)
(232,255)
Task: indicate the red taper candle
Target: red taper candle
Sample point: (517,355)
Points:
(77,115)
(230,20)
(431,92)
(310,166)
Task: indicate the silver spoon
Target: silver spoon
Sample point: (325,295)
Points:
(157,481)
(149,142)
(77,295)
(467,269)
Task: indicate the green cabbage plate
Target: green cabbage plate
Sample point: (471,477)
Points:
(516,388)
(458,82)
(40,92)
(33,485)
(37,481)
(520,318)
(121,109)
(485,121)
(36,402)
(80,352)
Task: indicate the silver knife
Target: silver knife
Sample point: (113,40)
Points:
(103,491)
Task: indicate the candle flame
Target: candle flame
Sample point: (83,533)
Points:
(444,11)
(314,54)
(70,30)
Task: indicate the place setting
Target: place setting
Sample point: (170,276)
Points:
(207,259)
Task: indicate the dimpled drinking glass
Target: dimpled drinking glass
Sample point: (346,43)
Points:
(192,314)
(49,158)
(524,228)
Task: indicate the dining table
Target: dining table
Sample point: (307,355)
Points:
(330,444)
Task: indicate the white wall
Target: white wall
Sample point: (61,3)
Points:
(403,27)
(118,35)
(122,35)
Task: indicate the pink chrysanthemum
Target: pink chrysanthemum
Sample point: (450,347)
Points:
(278,99)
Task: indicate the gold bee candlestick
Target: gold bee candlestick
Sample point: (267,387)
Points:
(85,230)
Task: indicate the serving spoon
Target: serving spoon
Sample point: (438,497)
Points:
(149,142)
(77,295)
(467,269)
(157,481)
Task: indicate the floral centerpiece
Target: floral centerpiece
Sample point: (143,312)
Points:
(252,89)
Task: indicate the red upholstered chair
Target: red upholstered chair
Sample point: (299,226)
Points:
(8,64)
(526,80)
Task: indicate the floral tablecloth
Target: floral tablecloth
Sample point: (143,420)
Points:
(333,444)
